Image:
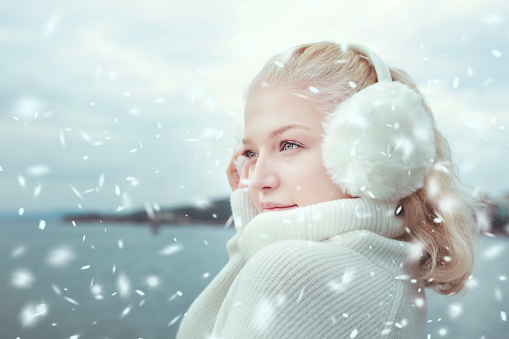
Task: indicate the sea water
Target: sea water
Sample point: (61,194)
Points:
(123,281)
(103,280)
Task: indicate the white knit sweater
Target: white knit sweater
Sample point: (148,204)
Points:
(328,270)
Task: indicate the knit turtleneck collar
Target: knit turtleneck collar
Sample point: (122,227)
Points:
(319,222)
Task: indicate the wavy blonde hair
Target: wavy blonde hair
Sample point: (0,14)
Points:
(440,216)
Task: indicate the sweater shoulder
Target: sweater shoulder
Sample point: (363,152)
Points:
(303,289)
(332,264)
(354,248)
(294,253)
(398,258)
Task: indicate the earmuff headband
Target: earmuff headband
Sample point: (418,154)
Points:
(382,71)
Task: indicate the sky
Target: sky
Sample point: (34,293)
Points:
(116,105)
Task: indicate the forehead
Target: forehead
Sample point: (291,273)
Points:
(274,107)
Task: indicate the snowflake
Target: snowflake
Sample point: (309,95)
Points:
(32,313)
(22,279)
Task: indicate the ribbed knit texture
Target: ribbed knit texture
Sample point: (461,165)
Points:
(328,270)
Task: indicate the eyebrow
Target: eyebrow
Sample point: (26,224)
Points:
(279,131)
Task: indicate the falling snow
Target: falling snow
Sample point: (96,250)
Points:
(498,295)
(97,291)
(419,302)
(56,289)
(76,192)
(22,279)
(313,89)
(18,251)
(171,249)
(174,320)
(123,285)
(125,311)
(455,310)
(455,82)
(152,281)
(493,251)
(279,64)
(71,300)
(38,170)
(263,314)
(496,53)
(62,139)
(101,181)
(32,313)
(37,191)
(472,283)
(341,285)
(60,257)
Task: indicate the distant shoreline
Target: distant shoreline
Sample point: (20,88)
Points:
(216,212)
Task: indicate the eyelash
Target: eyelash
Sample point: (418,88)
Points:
(282,144)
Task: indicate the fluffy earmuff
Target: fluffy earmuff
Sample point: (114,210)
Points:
(379,143)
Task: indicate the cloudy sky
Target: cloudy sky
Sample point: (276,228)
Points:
(112,105)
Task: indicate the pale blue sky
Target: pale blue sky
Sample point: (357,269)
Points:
(144,95)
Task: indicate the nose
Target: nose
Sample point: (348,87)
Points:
(263,175)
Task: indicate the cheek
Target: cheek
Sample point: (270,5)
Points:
(312,167)
(312,183)
(254,197)
(315,178)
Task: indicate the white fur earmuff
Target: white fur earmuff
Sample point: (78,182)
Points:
(379,143)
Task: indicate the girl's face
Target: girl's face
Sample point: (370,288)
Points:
(282,141)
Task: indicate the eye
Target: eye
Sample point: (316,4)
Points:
(249,154)
(287,145)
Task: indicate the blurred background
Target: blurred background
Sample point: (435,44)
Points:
(113,112)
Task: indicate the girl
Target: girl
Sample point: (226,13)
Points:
(345,202)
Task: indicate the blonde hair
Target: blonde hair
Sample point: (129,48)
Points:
(440,216)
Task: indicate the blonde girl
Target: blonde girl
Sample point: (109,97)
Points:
(346,205)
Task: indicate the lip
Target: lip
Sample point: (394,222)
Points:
(272,206)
